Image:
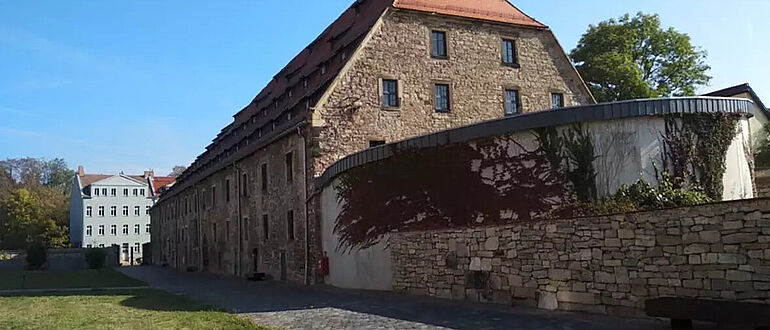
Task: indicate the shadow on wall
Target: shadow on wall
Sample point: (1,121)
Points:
(12,260)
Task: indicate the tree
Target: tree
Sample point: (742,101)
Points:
(633,57)
(26,218)
(33,172)
(177,171)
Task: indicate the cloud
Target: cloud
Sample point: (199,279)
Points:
(20,133)
(19,112)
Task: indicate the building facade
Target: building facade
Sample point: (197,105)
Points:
(112,210)
(384,71)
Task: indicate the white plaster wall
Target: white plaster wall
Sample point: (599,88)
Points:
(628,150)
(368,269)
(737,181)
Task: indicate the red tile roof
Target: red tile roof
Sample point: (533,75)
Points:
(490,10)
(160,182)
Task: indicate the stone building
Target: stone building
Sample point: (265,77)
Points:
(384,71)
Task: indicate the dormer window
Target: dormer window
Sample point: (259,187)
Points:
(291,93)
(323,69)
(304,83)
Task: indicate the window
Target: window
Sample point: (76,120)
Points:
(125,229)
(137,211)
(376,143)
(390,93)
(509,53)
(442,97)
(245,184)
(101,211)
(289,167)
(246,229)
(141,192)
(125,211)
(126,256)
(136,192)
(323,69)
(264,177)
(265,227)
(214,230)
(89,211)
(113,192)
(290,224)
(113,230)
(136,248)
(101,230)
(511,102)
(227,190)
(96,192)
(137,229)
(101,246)
(213,196)
(104,191)
(113,211)
(438,44)
(89,230)
(147,210)
(147,228)
(125,192)
(557,100)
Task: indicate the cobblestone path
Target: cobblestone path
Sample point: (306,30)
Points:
(319,307)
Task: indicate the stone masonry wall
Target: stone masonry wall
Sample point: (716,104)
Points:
(608,264)
(352,114)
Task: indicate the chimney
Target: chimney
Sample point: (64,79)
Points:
(81,171)
(149,174)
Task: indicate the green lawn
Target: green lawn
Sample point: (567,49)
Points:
(138,309)
(101,278)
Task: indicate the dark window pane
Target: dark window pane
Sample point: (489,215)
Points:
(377,143)
(511,102)
(442,98)
(438,44)
(390,93)
(509,52)
(557,100)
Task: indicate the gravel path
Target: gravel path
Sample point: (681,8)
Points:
(304,307)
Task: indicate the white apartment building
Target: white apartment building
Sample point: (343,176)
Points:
(107,210)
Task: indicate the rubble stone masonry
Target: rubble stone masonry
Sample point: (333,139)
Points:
(607,264)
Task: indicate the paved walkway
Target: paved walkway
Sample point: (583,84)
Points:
(302,307)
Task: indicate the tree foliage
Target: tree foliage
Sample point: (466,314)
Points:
(177,171)
(34,203)
(634,57)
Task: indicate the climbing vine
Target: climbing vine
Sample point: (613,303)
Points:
(696,149)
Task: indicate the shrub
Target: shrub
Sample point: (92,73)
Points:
(96,258)
(36,256)
(642,196)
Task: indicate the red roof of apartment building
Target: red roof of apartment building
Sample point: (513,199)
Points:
(159,183)
(490,10)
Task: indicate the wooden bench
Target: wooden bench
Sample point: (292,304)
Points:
(682,311)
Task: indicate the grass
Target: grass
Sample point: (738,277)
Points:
(137,309)
(101,278)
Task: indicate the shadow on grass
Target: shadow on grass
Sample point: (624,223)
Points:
(145,299)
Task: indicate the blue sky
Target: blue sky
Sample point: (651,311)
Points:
(131,85)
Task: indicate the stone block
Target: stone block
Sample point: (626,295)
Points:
(524,292)
(731,225)
(576,297)
(710,236)
(696,249)
(559,274)
(740,238)
(738,276)
(603,277)
(626,233)
(668,240)
(547,300)
(475,264)
(612,242)
(492,243)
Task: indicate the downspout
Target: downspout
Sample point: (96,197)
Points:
(304,197)
(240,236)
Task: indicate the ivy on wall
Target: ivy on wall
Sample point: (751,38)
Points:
(696,149)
